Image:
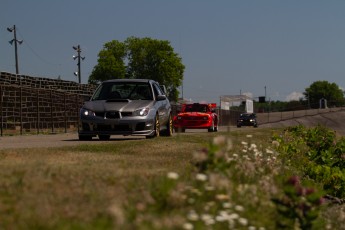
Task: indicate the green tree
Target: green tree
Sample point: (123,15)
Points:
(324,90)
(111,63)
(143,58)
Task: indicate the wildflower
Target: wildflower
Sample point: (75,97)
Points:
(220,218)
(207,218)
(251,228)
(172,175)
(222,197)
(188,226)
(252,147)
(209,205)
(233,216)
(209,188)
(239,208)
(244,143)
(192,216)
(200,156)
(249,135)
(219,140)
(243,221)
(227,205)
(275,143)
(201,177)
(269,151)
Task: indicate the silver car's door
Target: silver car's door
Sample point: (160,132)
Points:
(163,106)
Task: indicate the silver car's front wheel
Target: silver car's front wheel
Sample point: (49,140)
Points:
(156,128)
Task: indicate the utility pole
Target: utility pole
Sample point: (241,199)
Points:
(78,74)
(13,29)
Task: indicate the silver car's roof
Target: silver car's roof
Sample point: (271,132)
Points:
(129,80)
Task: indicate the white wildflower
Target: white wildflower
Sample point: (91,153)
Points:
(188,226)
(231,223)
(235,155)
(233,216)
(227,205)
(223,216)
(207,218)
(219,140)
(252,147)
(249,135)
(209,188)
(275,143)
(172,175)
(220,218)
(192,216)
(239,208)
(244,143)
(222,197)
(269,151)
(243,221)
(251,228)
(244,150)
(201,177)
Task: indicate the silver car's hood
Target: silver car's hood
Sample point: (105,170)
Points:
(117,105)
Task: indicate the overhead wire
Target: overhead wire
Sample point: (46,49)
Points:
(25,42)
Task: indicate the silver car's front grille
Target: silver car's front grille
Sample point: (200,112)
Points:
(112,115)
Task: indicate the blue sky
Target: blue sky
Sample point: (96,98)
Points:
(255,47)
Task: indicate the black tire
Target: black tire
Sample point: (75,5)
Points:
(85,138)
(211,129)
(169,128)
(104,137)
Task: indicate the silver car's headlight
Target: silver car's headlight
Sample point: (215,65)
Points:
(141,112)
(85,112)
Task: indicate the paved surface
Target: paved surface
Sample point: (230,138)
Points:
(332,120)
(50,140)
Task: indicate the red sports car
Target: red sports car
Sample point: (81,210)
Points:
(197,116)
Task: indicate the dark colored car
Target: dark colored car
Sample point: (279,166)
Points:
(126,107)
(247,119)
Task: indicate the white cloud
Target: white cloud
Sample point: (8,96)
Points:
(294,96)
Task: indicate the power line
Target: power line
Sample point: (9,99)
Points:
(35,53)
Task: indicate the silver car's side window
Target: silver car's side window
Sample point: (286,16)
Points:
(157,90)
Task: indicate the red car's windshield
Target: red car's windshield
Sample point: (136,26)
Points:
(196,108)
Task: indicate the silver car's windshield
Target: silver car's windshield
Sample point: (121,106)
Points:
(123,90)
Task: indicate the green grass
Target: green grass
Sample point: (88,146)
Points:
(123,184)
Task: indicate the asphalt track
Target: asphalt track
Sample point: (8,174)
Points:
(333,120)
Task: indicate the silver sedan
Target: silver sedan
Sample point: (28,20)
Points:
(126,107)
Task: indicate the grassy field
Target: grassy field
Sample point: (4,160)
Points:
(145,184)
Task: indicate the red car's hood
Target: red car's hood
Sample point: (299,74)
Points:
(193,114)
